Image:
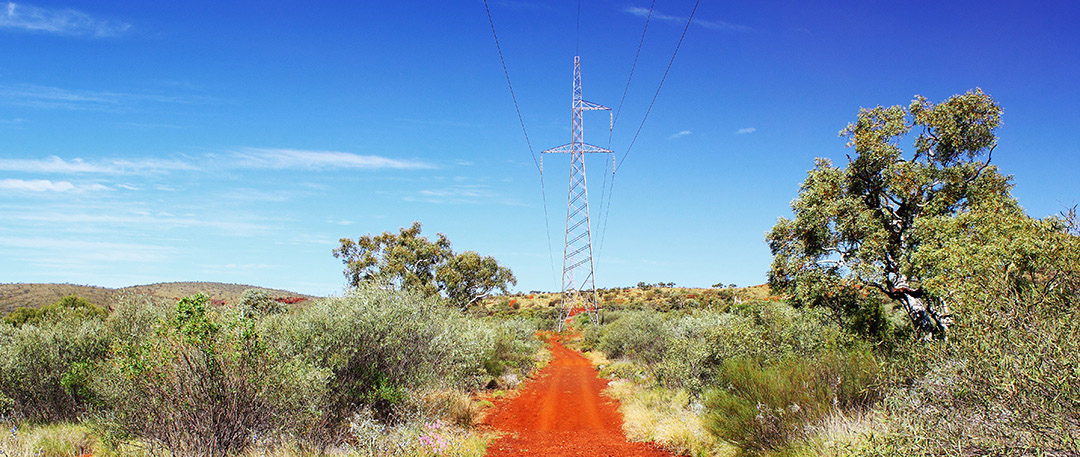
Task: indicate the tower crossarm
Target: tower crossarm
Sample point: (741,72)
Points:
(590,106)
(569,148)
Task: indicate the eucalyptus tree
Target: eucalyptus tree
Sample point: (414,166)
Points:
(411,261)
(858,230)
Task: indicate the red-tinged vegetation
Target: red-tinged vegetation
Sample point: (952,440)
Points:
(289,300)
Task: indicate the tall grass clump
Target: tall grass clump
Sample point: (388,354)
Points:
(760,407)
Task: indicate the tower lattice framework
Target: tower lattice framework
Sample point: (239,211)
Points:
(578,278)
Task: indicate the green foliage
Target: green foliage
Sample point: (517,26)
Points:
(635,335)
(513,347)
(204,380)
(761,407)
(766,370)
(255,303)
(199,382)
(467,277)
(72,306)
(413,262)
(1008,382)
(23,315)
(376,343)
(865,224)
(937,232)
(765,332)
(41,363)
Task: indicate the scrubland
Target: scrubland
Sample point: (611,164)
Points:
(375,372)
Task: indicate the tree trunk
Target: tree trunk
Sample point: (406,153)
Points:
(928,315)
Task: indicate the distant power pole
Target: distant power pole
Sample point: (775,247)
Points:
(578,278)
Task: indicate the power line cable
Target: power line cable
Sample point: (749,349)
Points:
(689,20)
(632,67)
(521,120)
(658,87)
(604,188)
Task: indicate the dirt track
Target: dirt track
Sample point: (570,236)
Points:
(561,413)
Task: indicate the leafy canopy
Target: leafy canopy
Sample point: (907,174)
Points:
(408,260)
(858,230)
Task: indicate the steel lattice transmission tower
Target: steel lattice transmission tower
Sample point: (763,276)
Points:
(578,278)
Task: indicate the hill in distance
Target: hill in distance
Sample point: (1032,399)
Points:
(24,295)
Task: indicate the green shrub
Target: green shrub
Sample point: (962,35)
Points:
(622,369)
(766,332)
(636,335)
(70,306)
(512,348)
(375,344)
(40,373)
(544,317)
(202,383)
(255,303)
(1008,379)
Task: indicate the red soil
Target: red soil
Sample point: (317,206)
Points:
(561,413)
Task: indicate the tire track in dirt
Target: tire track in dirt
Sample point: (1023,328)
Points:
(560,413)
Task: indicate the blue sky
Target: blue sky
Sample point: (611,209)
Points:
(168,141)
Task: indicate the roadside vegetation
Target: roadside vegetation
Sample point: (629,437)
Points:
(384,370)
(917,311)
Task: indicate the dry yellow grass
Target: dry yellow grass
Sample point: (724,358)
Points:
(842,434)
(52,440)
(670,418)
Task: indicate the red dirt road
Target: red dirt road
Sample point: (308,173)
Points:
(561,413)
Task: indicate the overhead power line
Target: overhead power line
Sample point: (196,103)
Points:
(604,188)
(521,120)
(662,79)
(506,72)
(615,168)
(632,67)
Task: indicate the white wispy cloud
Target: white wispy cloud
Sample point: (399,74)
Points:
(256,195)
(44,185)
(70,22)
(745,130)
(83,251)
(47,97)
(279,159)
(54,164)
(715,25)
(295,158)
(158,222)
(240,266)
(679,134)
(461,194)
